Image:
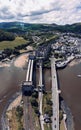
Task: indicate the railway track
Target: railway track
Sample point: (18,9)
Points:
(28,114)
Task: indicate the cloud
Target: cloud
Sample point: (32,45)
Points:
(41,11)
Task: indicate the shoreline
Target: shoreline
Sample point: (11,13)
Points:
(74,62)
(11,103)
(18,62)
(21,60)
(69,117)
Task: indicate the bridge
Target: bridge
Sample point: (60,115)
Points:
(41,89)
(27,86)
(40,85)
(27,89)
(55,96)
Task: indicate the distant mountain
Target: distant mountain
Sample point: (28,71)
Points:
(20,27)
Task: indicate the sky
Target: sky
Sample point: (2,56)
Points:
(41,11)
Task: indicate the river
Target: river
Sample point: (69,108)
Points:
(10,80)
(70,85)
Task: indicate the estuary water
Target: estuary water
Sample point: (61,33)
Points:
(10,81)
(70,85)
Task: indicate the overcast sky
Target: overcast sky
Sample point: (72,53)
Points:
(41,11)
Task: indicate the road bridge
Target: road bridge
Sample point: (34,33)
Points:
(55,96)
(40,75)
(41,88)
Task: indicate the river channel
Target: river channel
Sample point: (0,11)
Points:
(70,85)
(10,81)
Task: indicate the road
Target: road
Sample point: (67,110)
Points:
(55,97)
(40,109)
(41,95)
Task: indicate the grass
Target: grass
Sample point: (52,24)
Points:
(62,125)
(11,44)
(46,96)
(35,118)
(14,123)
(36,121)
(47,127)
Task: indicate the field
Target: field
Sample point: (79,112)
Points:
(11,44)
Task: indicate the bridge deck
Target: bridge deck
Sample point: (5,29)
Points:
(55,97)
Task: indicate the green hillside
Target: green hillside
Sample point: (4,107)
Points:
(11,44)
(20,27)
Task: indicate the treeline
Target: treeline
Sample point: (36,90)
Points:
(8,52)
(6,36)
(11,51)
(22,28)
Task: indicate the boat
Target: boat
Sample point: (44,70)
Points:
(61,65)
(79,75)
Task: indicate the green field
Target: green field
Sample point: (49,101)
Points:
(11,44)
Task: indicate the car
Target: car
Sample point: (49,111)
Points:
(47,120)
(40,89)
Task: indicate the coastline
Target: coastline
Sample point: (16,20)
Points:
(21,60)
(11,103)
(69,117)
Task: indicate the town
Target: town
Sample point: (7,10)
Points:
(53,54)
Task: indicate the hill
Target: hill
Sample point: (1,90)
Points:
(20,27)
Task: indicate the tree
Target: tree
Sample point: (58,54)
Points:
(8,51)
(60,115)
(35,94)
(34,102)
(48,110)
(6,36)
(19,112)
(49,102)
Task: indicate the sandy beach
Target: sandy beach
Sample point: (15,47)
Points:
(4,64)
(21,60)
(15,103)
